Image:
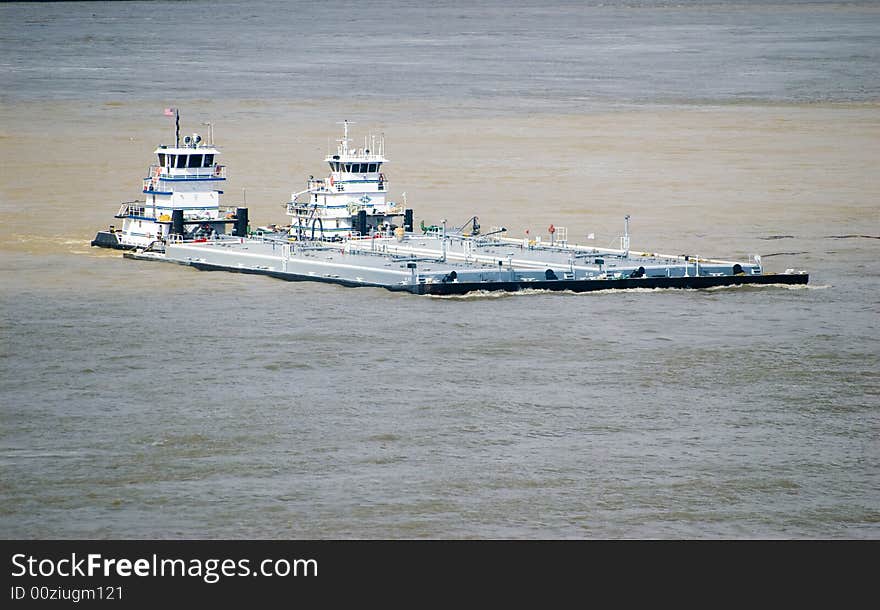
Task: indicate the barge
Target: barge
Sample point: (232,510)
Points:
(345,230)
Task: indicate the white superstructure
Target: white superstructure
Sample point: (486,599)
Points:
(186,178)
(352,200)
(181,198)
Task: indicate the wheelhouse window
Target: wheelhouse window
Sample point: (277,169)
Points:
(161,159)
(195,160)
(348,167)
(372,169)
(171,160)
(181,161)
(209,160)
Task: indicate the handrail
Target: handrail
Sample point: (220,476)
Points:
(164,173)
(130,208)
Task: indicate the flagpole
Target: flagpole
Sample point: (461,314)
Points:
(177,127)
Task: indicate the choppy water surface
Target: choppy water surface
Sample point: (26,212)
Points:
(141,400)
(521,55)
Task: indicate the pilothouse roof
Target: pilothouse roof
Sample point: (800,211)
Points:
(193,144)
(373,150)
(207,149)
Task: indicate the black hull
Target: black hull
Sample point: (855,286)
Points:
(692,283)
(457,288)
(106,239)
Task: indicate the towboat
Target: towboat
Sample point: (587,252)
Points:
(180,196)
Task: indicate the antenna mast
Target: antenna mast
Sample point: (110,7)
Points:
(344,141)
(211,125)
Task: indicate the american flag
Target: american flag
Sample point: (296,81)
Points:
(169,112)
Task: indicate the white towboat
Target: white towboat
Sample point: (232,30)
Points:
(181,196)
(351,200)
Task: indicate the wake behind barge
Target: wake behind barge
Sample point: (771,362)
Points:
(344,230)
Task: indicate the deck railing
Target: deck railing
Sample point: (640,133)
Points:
(131,208)
(188,173)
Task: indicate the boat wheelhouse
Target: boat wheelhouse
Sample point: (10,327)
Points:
(352,201)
